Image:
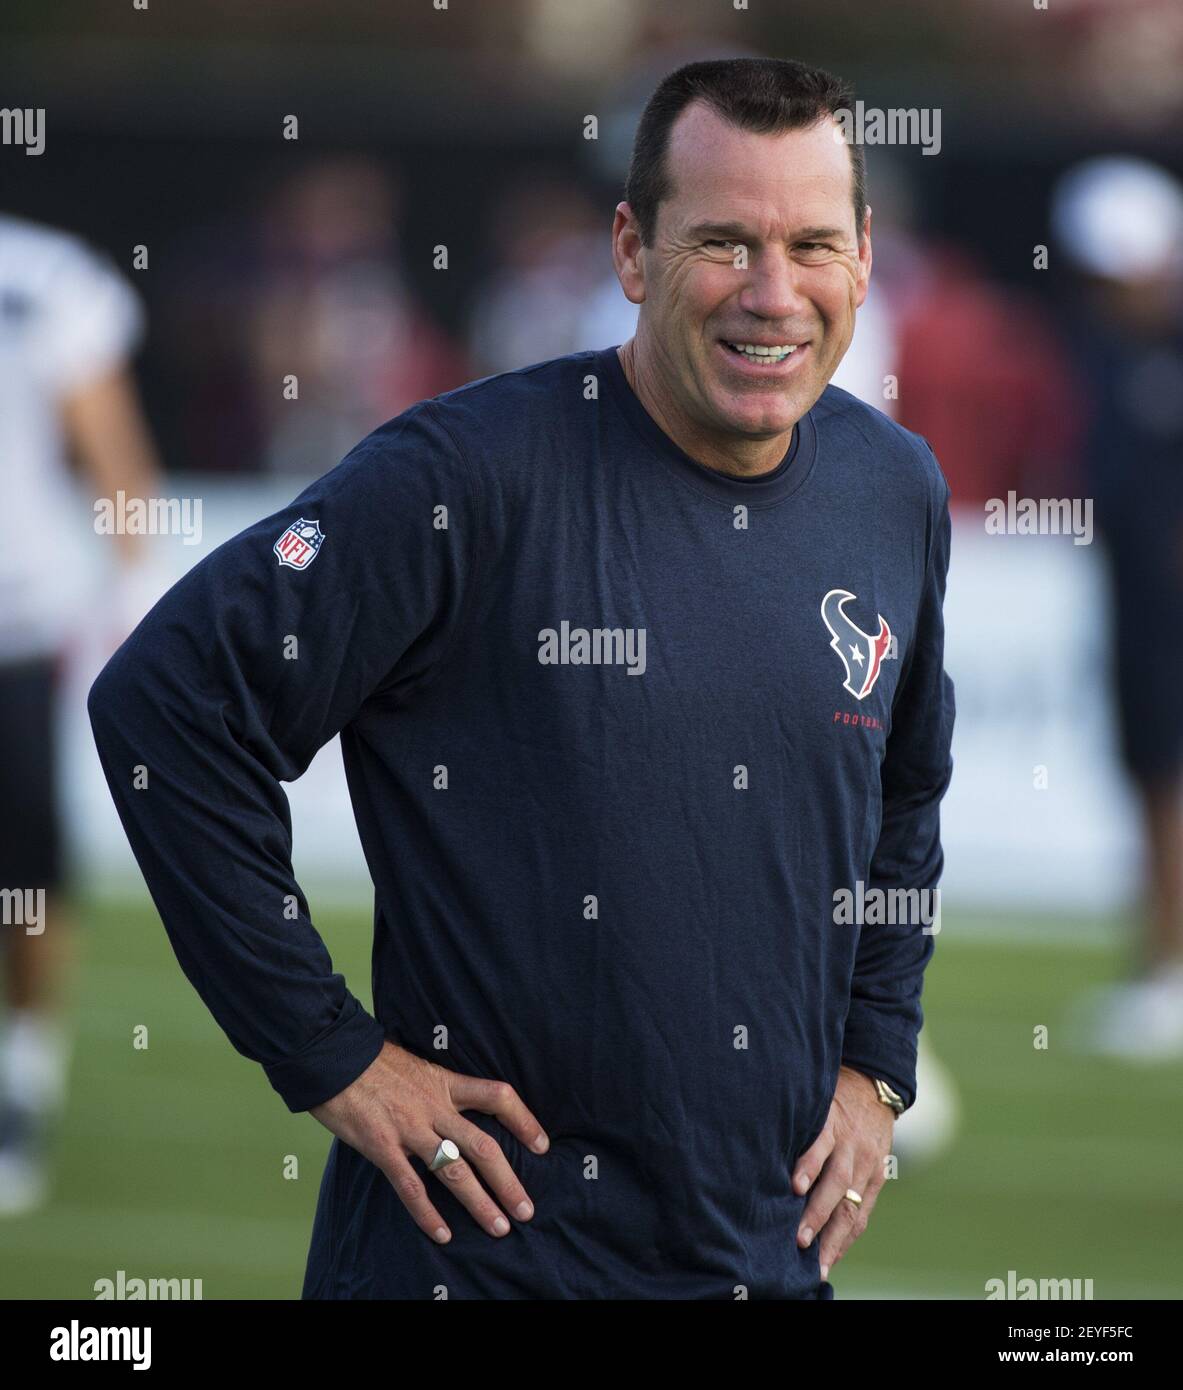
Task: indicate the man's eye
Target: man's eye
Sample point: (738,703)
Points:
(729,244)
(812,246)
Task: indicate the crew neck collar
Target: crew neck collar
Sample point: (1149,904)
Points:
(780,482)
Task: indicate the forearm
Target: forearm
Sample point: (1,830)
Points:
(111,440)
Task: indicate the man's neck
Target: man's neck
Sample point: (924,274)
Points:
(737,457)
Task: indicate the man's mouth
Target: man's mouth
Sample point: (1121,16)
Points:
(762,354)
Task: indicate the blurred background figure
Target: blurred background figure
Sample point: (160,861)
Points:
(68,326)
(984,379)
(970,363)
(1120,220)
(331,307)
(303,290)
(550,257)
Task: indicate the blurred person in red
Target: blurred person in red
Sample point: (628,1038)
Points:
(984,377)
(331,309)
(978,368)
(1120,220)
(68,326)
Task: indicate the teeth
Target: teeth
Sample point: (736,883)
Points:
(755,350)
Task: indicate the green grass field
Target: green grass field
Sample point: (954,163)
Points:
(171,1159)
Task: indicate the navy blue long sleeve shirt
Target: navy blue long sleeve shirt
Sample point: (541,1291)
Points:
(617,728)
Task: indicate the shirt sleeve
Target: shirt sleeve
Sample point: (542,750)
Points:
(884,1019)
(228,687)
(93,319)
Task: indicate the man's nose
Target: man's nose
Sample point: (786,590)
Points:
(772,288)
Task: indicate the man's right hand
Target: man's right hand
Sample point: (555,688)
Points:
(403,1104)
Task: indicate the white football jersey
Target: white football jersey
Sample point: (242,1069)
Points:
(66,318)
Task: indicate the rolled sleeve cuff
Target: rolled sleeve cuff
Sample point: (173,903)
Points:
(330,1063)
(879,1052)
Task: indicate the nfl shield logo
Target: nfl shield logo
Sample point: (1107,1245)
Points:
(299,544)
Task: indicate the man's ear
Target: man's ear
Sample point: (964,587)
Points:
(627,254)
(864,258)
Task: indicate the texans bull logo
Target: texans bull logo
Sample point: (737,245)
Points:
(861,654)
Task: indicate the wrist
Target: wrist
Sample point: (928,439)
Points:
(884,1093)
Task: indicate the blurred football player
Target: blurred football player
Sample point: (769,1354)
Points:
(68,325)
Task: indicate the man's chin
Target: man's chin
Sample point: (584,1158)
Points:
(758,420)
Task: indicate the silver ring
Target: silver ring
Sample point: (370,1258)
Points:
(445,1154)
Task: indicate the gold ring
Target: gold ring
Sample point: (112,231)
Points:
(852,1196)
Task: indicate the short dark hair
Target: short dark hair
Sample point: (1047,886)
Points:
(767,95)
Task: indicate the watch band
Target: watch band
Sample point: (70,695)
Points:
(889,1097)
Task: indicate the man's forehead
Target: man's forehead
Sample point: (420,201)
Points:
(699,128)
(708,158)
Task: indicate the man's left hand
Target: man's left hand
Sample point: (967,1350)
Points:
(849,1152)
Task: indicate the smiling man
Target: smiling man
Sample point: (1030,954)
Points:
(637,661)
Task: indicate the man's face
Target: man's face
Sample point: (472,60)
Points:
(783,201)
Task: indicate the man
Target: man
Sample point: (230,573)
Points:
(636,657)
(68,325)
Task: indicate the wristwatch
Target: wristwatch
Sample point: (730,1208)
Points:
(889,1097)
